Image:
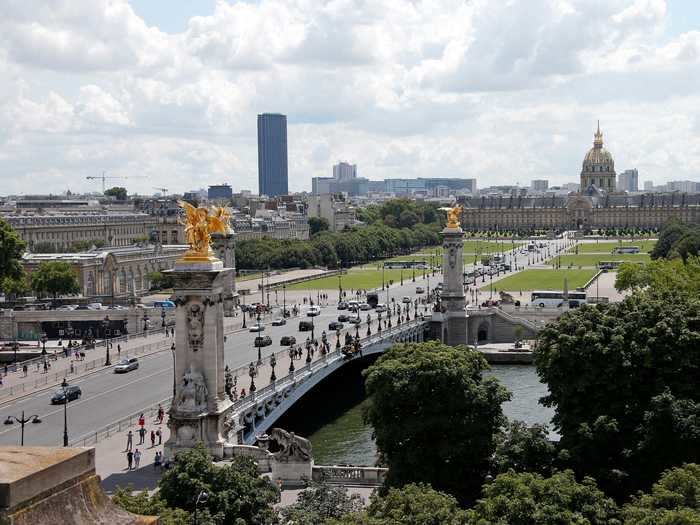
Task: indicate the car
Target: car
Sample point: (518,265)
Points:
(381,307)
(342,305)
(313,311)
(353,304)
(343,318)
(364,307)
(258,327)
(82,307)
(95,306)
(288,340)
(264,340)
(406,299)
(305,326)
(354,320)
(163,304)
(126,365)
(335,325)
(71,393)
(280,321)
(420,289)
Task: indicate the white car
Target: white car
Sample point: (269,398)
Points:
(364,307)
(406,299)
(419,290)
(313,311)
(257,328)
(381,307)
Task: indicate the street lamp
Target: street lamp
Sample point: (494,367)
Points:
(162,317)
(273,363)
(284,301)
(252,372)
(172,348)
(43,343)
(64,386)
(292,353)
(145,322)
(15,347)
(202,498)
(105,326)
(22,421)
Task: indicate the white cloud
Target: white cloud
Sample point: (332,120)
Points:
(502,91)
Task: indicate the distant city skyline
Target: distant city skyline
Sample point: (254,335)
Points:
(273,171)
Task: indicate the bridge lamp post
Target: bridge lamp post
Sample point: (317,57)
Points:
(308,351)
(64,386)
(292,352)
(337,339)
(22,421)
(162,317)
(284,301)
(252,372)
(273,363)
(43,343)
(379,322)
(105,326)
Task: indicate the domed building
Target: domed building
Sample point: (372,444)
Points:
(598,167)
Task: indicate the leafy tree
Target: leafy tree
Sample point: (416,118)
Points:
(82,246)
(434,415)
(320,502)
(11,250)
(618,374)
(661,275)
(317,224)
(530,499)
(117,192)
(673,500)
(236,492)
(408,219)
(14,286)
(141,503)
(412,504)
(523,449)
(55,278)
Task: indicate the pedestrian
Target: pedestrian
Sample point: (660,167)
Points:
(153,438)
(46,367)
(160,436)
(172,347)
(161,414)
(142,420)
(129,440)
(129,458)
(72,367)
(6,369)
(157,461)
(142,436)
(119,350)
(137,458)
(25,369)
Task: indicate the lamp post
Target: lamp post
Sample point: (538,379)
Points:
(43,343)
(273,363)
(337,339)
(162,317)
(202,498)
(252,372)
(64,385)
(145,322)
(284,301)
(340,282)
(172,349)
(22,421)
(105,326)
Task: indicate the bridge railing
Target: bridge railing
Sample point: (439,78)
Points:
(372,476)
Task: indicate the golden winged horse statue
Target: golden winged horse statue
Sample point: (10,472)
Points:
(200,223)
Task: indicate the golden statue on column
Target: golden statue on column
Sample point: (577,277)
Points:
(454,216)
(199,223)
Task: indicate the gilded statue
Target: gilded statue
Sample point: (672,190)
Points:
(454,216)
(199,223)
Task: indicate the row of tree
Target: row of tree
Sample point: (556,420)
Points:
(677,239)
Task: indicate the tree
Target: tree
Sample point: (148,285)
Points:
(317,224)
(55,278)
(529,499)
(141,503)
(673,500)
(523,449)
(236,492)
(412,504)
(435,416)
(11,250)
(14,286)
(117,192)
(661,276)
(622,379)
(320,502)
(408,219)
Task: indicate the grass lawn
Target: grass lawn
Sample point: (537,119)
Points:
(365,278)
(542,280)
(249,276)
(609,246)
(592,259)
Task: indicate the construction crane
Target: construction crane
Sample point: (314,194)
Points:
(103,178)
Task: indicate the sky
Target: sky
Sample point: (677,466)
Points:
(165,93)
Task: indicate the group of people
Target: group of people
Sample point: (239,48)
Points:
(133,457)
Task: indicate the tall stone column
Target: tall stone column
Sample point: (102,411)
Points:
(198,409)
(224,246)
(454,315)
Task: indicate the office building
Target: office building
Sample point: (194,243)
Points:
(684,186)
(219,192)
(539,185)
(344,180)
(344,171)
(648,185)
(426,186)
(272,155)
(628,181)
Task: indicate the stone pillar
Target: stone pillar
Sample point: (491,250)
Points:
(454,315)
(197,412)
(224,246)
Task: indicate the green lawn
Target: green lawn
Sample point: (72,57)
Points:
(364,278)
(609,246)
(542,280)
(592,259)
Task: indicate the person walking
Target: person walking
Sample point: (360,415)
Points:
(142,436)
(157,461)
(119,350)
(153,438)
(160,436)
(129,458)
(161,414)
(137,458)
(129,440)
(142,420)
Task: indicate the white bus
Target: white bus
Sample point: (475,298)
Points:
(555,299)
(627,249)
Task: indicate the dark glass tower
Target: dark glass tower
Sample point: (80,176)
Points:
(272,154)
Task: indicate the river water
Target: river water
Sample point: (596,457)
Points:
(339,435)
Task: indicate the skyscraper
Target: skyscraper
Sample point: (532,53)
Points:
(628,180)
(272,154)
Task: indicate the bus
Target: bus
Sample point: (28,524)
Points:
(555,299)
(627,249)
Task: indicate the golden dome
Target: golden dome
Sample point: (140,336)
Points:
(598,155)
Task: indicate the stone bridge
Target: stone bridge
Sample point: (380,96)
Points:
(257,412)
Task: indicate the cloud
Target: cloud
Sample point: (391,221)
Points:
(501,91)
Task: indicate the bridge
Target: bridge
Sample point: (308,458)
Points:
(254,414)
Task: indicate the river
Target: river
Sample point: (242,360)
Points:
(339,435)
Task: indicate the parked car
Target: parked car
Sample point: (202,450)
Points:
(126,365)
(71,393)
(342,305)
(95,306)
(420,289)
(313,311)
(381,307)
(354,320)
(280,321)
(259,327)
(264,340)
(305,326)
(82,307)
(335,325)
(288,340)
(406,299)
(364,307)
(343,318)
